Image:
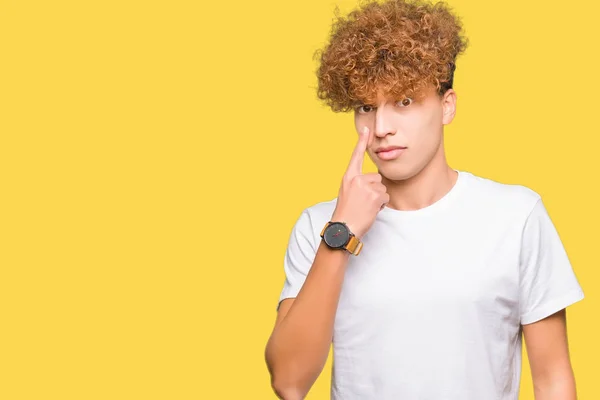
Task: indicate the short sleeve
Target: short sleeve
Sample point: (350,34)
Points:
(299,256)
(547,280)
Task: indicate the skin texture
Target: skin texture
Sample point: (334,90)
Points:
(421,175)
(299,344)
(548,351)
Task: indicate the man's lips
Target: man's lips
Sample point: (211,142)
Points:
(389,152)
(389,148)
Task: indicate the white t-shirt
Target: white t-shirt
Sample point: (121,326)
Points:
(432,307)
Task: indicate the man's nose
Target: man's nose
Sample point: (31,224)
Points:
(383,123)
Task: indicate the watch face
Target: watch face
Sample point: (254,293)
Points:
(336,235)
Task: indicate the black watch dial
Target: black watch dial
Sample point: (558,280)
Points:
(336,235)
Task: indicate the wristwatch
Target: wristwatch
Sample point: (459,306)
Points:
(337,235)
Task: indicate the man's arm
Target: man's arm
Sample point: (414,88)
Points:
(548,352)
(299,344)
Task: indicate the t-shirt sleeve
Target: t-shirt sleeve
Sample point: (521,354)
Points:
(547,280)
(299,256)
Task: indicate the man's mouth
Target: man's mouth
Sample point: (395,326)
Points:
(389,152)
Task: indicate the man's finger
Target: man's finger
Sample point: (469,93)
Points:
(356,161)
(372,177)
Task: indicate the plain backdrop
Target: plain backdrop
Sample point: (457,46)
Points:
(154,156)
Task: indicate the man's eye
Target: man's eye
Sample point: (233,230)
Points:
(364,109)
(405,102)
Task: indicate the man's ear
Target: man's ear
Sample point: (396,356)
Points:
(448,106)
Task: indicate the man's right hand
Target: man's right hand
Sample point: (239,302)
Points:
(361,196)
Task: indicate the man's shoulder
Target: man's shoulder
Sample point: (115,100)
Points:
(320,212)
(501,193)
(313,217)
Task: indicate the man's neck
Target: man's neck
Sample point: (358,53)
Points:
(423,189)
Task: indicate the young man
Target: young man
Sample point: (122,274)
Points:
(424,278)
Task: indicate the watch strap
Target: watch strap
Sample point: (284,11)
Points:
(354,245)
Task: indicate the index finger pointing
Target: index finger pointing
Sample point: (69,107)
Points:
(356,161)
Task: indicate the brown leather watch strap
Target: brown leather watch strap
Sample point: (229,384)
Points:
(354,245)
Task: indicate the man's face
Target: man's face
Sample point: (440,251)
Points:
(412,130)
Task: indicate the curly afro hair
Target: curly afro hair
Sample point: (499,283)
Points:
(399,47)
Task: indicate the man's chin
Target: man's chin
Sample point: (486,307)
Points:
(395,172)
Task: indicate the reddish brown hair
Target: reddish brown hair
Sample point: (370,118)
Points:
(400,47)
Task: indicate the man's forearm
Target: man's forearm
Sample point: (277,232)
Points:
(299,345)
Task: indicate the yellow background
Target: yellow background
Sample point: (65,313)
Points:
(154,156)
